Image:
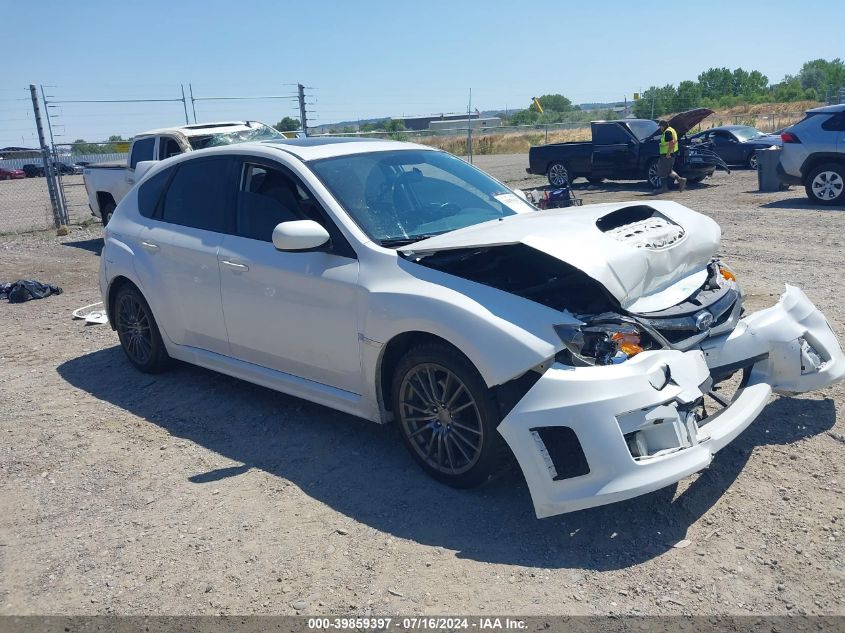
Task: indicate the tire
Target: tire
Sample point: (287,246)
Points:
(106,212)
(595,180)
(652,172)
(826,184)
(447,416)
(558,175)
(138,331)
(752,162)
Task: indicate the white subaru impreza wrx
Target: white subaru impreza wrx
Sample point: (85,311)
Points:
(605,346)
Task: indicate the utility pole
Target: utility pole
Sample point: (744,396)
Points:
(302,116)
(193,102)
(469,127)
(60,189)
(184,104)
(45,157)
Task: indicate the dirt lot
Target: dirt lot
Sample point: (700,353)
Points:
(194,493)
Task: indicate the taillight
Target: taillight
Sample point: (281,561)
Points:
(789,137)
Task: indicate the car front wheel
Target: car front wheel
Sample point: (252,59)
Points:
(826,184)
(653,174)
(447,416)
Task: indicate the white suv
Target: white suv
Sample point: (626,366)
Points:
(400,284)
(813,154)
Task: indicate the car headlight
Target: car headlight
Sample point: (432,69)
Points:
(601,342)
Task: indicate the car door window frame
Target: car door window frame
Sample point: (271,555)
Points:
(337,244)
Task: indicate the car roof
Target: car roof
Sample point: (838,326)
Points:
(840,107)
(729,127)
(317,147)
(202,129)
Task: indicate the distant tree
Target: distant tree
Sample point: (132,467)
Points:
(81,146)
(716,82)
(288,124)
(656,102)
(554,103)
(822,75)
(689,95)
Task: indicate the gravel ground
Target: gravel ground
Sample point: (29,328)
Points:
(194,493)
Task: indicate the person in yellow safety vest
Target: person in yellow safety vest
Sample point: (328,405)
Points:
(666,162)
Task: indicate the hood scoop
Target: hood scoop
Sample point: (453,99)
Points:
(641,227)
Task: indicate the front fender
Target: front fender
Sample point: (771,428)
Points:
(502,334)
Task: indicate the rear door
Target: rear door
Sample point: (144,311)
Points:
(177,259)
(295,312)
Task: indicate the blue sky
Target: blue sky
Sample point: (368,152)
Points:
(372,58)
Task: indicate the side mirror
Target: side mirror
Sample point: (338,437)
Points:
(299,235)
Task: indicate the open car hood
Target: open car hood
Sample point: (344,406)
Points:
(683,122)
(640,253)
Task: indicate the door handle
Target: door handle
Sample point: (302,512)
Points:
(150,246)
(241,267)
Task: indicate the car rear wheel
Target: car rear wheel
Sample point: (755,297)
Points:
(826,184)
(138,331)
(107,212)
(447,416)
(752,162)
(558,175)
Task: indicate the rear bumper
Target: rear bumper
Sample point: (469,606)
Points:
(787,179)
(788,348)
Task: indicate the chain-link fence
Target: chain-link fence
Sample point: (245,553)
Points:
(24,195)
(467,138)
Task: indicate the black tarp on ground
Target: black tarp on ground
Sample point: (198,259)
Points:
(26,289)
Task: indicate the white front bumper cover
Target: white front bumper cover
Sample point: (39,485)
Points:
(788,348)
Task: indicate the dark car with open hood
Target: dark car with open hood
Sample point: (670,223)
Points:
(627,149)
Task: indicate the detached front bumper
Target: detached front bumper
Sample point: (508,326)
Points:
(589,436)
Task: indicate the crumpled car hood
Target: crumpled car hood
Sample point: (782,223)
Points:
(631,257)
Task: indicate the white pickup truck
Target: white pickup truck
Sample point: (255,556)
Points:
(107,183)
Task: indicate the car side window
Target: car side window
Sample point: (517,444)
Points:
(196,196)
(266,198)
(836,123)
(168,147)
(149,193)
(142,149)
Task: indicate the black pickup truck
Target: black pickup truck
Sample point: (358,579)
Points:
(627,149)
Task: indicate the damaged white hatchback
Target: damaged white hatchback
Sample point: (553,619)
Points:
(399,283)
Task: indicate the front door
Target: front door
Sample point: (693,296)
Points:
(295,312)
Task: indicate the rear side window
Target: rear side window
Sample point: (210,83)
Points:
(149,193)
(142,149)
(197,195)
(836,123)
(610,134)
